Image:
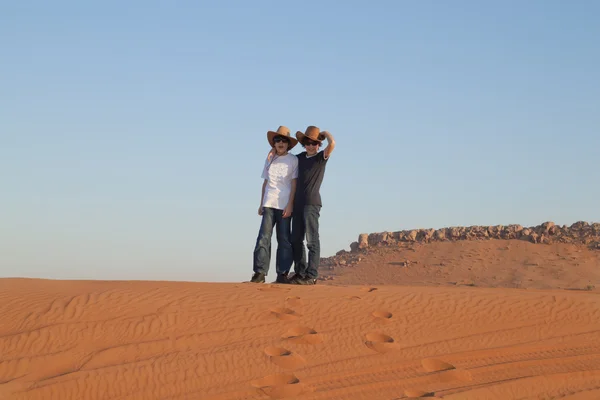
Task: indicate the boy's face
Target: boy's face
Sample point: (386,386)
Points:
(311,147)
(281,144)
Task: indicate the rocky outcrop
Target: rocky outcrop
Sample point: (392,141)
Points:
(580,232)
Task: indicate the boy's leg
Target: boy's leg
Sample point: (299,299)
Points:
(313,242)
(284,245)
(262,250)
(298,231)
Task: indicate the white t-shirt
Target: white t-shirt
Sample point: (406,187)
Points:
(279,174)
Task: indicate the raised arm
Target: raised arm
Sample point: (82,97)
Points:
(330,143)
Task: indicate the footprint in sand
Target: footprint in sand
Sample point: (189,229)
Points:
(285,314)
(353,297)
(448,372)
(294,301)
(417,393)
(279,386)
(368,289)
(285,358)
(435,365)
(380,342)
(382,316)
(273,288)
(303,335)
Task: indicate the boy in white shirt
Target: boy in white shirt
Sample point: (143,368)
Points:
(276,205)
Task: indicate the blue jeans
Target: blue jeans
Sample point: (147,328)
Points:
(262,251)
(305,222)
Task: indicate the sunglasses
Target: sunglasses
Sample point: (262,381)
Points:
(311,143)
(281,139)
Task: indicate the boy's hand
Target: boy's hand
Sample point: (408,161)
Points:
(288,211)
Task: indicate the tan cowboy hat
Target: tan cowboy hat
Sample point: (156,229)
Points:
(282,131)
(312,133)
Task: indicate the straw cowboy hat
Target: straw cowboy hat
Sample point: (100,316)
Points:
(282,131)
(312,133)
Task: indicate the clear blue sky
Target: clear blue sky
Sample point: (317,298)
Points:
(133,134)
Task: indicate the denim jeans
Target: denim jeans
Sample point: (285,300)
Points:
(273,217)
(305,222)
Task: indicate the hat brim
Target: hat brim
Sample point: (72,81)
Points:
(301,136)
(271,135)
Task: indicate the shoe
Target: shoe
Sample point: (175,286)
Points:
(305,281)
(258,278)
(282,278)
(294,278)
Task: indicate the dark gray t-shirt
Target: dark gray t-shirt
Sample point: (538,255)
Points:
(310,176)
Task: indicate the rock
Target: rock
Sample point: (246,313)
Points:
(579,225)
(427,235)
(383,238)
(476,232)
(389,237)
(512,231)
(440,234)
(363,241)
(545,227)
(354,247)
(454,232)
(495,231)
(533,237)
(341,252)
(374,239)
(411,236)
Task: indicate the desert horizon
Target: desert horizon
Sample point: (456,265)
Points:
(411,314)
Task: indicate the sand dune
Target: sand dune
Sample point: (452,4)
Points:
(175,340)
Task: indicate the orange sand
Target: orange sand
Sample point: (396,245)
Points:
(174,340)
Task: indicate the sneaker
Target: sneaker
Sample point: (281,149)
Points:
(258,278)
(305,281)
(282,278)
(295,278)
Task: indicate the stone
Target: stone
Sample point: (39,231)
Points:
(533,237)
(546,226)
(411,236)
(512,231)
(454,233)
(363,241)
(440,235)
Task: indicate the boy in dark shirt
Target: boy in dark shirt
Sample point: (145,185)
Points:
(307,204)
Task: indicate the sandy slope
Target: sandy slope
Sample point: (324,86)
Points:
(169,340)
(485,263)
